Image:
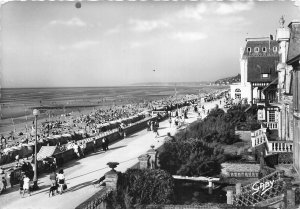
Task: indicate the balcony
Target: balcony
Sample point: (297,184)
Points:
(264,101)
(259,137)
(272,125)
(280,146)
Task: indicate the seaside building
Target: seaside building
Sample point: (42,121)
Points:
(258,71)
(293,59)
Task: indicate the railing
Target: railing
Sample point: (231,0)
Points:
(280,146)
(272,125)
(273,176)
(244,174)
(250,198)
(95,201)
(258,137)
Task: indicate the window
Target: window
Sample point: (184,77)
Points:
(248,49)
(272,116)
(264,49)
(256,49)
(238,90)
(265,75)
(274,49)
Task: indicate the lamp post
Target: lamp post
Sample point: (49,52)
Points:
(35,186)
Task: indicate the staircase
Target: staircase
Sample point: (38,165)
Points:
(264,192)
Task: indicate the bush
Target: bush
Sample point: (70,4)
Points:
(142,187)
(191,158)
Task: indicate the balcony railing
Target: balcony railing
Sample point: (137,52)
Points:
(272,125)
(280,146)
(258,137)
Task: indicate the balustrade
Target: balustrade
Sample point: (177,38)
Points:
(258,137)
(280,146)
(272,125)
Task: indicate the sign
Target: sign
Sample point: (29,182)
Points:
(262,187)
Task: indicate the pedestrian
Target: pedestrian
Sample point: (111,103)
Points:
(4,182)
(53,177)
(61,180)
(82,149)
(94,145)
(103,144)
(26,185)
(76,150)
(155,129)
(21,183)
(106,143)
(170,121)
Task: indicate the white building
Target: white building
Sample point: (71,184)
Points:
(258,62)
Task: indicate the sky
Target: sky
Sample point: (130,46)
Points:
(55,44)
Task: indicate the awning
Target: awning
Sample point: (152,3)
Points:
(47,151)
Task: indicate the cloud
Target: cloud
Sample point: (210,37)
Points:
(79,45)
(72,22)
(147,25)
(138,44)
(193,12)
(236,21)
(85,44)
(114,30)
(189,36)
(225,8)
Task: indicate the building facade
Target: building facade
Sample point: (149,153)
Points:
(258,63)
(293,59)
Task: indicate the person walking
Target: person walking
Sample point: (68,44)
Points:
(155,128)
(103,144)
(170,121)
(61,180)
(26,185)
(53,178)
(21,183)
(106,143)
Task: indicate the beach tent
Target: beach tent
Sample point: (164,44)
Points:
(47,151)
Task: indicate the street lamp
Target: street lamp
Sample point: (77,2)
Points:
(35,186)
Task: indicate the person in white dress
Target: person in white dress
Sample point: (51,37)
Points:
(26,185)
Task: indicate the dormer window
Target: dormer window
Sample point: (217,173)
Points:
(265,75)
(264,49)
(248,49)
(274,49)
(256,49)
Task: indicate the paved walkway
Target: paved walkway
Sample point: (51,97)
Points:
(80,174)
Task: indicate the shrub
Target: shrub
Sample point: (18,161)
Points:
(141,187)
(191,158)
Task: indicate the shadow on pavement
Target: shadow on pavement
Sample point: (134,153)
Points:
(79,186)
(106,167)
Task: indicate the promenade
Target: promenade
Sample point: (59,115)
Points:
(81,173)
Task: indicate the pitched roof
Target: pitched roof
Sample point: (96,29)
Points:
(47,151)
(262,65)
(294,45)
(268,45)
